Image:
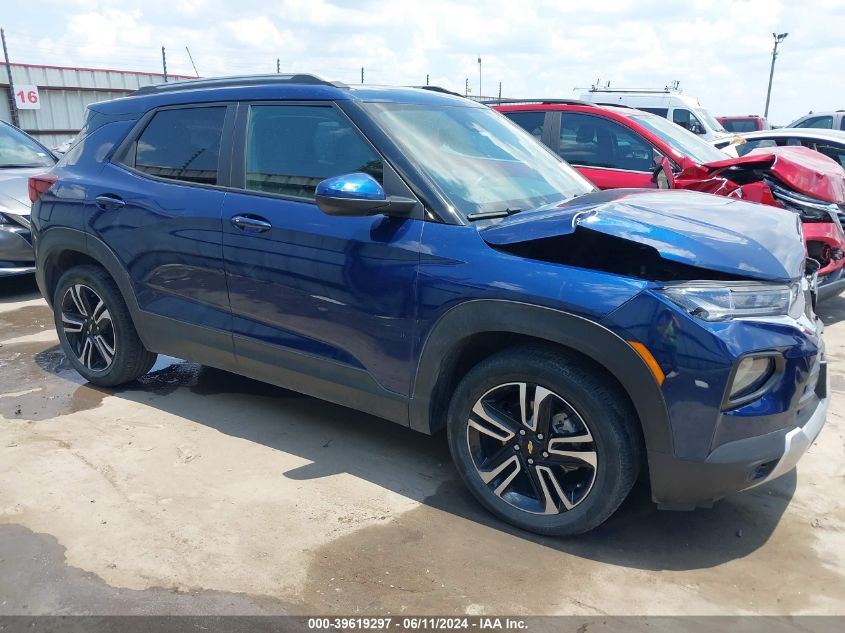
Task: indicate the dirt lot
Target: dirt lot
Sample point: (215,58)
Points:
(197,491)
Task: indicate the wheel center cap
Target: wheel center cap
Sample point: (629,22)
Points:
(530,447)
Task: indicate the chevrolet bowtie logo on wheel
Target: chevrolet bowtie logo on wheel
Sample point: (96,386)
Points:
(530,447)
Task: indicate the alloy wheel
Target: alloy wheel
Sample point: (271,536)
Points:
(88,327)
(531,448)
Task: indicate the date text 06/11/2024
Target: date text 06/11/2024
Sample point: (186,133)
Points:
(429,623)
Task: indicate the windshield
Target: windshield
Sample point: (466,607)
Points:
(710,120)
(680,140)
(18,150)
(480,161)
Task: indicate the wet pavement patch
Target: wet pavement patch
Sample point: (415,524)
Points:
(24,321)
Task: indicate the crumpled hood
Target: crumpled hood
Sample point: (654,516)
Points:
(712,232)
(14,189)
(801,168)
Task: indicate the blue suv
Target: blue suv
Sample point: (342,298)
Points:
(415,255)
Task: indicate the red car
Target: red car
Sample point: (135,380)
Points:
(749,123)
(618,147)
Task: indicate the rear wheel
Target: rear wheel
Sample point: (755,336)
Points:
(543,442)
(95,329)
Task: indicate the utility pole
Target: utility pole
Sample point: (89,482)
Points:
(278,66)
(196,72)
(466,88)
(13,107)
(479,76)
(426,79)
(779,37)
(164,63)
(362,74)
(500,92)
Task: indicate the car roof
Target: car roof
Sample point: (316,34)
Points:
(515,105)
(835,136)
(272,87)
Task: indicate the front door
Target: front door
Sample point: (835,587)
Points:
(322,304)
(607,153)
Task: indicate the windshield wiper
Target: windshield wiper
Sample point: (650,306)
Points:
(21,165)
(490,215)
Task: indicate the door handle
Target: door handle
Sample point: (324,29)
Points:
(251,223)
(106,202)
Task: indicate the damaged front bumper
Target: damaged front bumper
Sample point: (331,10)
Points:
(741,464)
(720,446)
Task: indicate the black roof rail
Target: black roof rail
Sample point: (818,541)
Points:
(440,90)
(237,80)
(536,102)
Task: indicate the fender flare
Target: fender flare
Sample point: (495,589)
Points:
(60,239)
(582,335)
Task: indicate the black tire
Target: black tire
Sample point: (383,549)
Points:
(577,387)
(85,285)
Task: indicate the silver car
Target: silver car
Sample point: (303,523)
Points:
(831,143)
(21,156)
(834,120)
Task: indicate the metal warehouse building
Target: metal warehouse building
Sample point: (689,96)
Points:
(64,93)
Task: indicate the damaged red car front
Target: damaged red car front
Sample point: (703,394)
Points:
(626,148)
(795,178)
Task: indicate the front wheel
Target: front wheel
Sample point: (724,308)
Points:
(543,441)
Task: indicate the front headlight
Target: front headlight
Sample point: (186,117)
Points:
(712,301)
(810,209)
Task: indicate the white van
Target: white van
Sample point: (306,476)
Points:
(684,110)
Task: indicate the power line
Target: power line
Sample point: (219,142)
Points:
(192,62)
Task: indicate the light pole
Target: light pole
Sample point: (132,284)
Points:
(479,76)
(779,37)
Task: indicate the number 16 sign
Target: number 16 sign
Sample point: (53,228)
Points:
(26,97)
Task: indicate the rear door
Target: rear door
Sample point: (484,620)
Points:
(321,304)
(158,208)
(609,154)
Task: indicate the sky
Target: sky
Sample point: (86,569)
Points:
(719,50)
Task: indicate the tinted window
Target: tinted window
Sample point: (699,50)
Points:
(592,141)
(182,144)
(817,121)
(832,151)
(842,124)
(292,148)
(531,122)
(687,120)
(664,112)
(740,125)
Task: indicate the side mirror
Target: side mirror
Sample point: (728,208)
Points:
(359,194)
(663,175)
